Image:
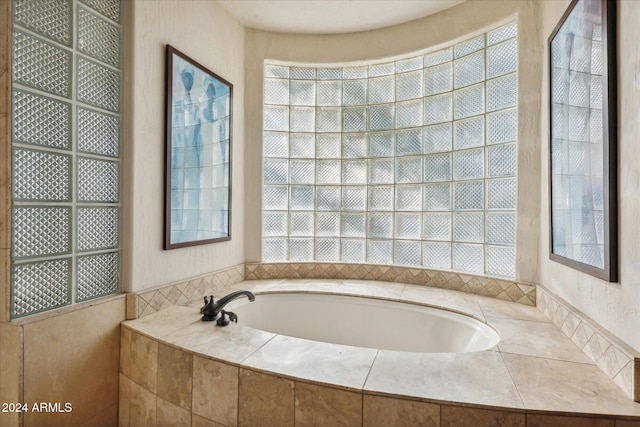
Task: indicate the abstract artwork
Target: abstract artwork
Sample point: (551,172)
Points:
(198,154)
(583,160)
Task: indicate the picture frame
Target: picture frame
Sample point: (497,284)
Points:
(198,147)
(583,139)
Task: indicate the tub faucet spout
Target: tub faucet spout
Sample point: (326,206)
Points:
(211,311)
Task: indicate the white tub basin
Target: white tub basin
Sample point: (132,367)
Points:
(365,322)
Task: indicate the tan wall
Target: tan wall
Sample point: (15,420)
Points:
(615,306)
(460,22)
(208,34)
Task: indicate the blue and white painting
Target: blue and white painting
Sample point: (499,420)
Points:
(200,158)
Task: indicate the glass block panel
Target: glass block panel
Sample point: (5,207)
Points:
(437,197)
(276,91)
(302,171)
(329,93)
(468,70)
(98,38)
(301,224)
(379,251)
(469,46)
(407,253)
(382,117)
(303,73)
(438,79)
(302,92)
(409,85)
(382,69)
(276,71)
(274,250)
(579,123)
(38,175)
(409,169)
(468,164)
(302,145)
(354,198)
(98,275)
(501,228)
(579,89)
(437,167)
(276,118)
(381,144)
(327,250)
(436,255)
(502,160)
(409,141)
(408,226)
(409,114)
(275,223)
(502,59)
(468,258)
(361,72)
(301,250)
(328,224)
(303,119)
(409,197)
(276,144)
(353,224)
(97,228)
(502,126)
(438,57)
(276,197)
(41,65)
(109,8)
(409,64)
(501,261)
(502,92)
(40,120)
(353,250)
(468,227)
(98,181)
(381,171)
(468,195)
(354,92)
(329,73)
(51,19)
(354,145)
(501,194)
(437,138)
(468,101)
(276,171)
(98,86)
(301,198)
(503,33)
(98,133)
(382,89)
(468,133)
(328,198)
(41,231)
(437,109)
(436,226)
(381,198)
(380,225)
(354,119)
(41,286)
(354,171)
(328,172)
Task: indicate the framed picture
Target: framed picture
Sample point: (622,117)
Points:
(583,125)
(198,153)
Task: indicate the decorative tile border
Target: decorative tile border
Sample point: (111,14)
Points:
(618,360)
(146,302)
(497,288)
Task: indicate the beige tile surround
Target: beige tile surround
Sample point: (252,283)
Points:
(263,380)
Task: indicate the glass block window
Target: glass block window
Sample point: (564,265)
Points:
(410,162)
(66,83)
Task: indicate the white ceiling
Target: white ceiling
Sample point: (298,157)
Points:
(330,16)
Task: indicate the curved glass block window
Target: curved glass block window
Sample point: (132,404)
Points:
(66,152)
(410,162)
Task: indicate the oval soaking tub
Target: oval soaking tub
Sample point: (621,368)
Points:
(365,322)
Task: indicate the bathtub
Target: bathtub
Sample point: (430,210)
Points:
(365,322)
